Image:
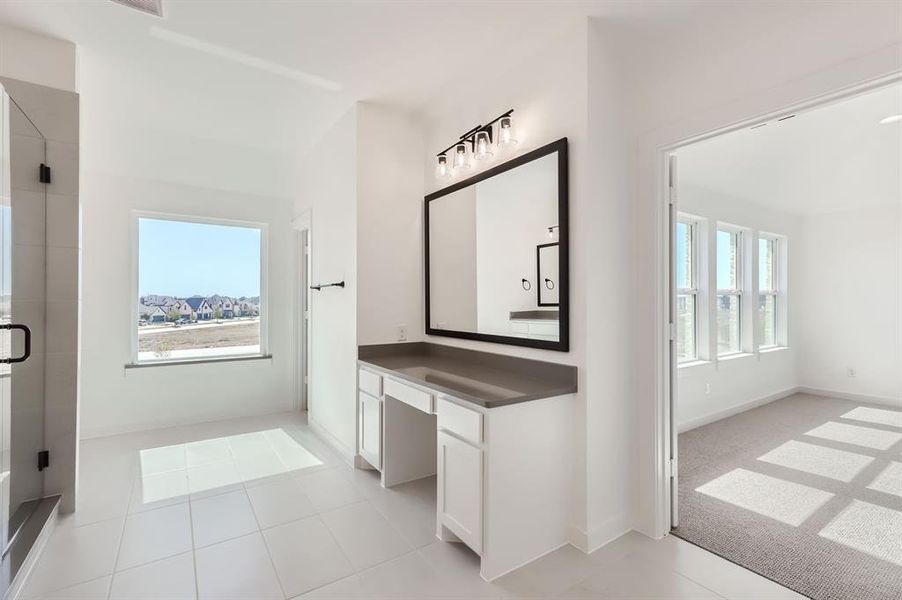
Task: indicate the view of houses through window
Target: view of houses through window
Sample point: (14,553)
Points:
(198,290)
(729,292)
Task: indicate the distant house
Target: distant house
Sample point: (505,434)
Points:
(200,308)
(249,308)
(225,305)
(151,314)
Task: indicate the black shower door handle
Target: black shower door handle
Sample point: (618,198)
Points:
(24,329)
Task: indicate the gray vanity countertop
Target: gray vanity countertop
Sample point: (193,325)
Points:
(486,379)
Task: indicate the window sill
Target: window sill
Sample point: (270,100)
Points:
(196,361)
(772,349)
(693,363)
(738,355)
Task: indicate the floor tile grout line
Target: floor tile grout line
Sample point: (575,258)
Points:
(272,562)
(193,550)
(131,491)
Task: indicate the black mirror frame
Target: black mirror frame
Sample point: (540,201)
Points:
(563,343)
(540,283)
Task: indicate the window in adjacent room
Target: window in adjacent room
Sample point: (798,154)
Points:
(686,259)
(198,290)
(729,291)
(768,257)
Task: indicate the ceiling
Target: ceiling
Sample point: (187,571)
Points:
(829,159)
(278,73)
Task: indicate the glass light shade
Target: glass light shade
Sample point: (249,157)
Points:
(483,145)
(461,157)
(506,132)
(441,169)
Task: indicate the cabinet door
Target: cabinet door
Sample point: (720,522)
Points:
(460,489)
(371,429)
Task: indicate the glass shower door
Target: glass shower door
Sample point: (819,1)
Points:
(22,316)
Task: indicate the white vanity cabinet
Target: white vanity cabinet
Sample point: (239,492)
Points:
(459,494)
(504,472)
(370,429)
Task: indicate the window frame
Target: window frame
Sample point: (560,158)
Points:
(693,291)
(738,291)
(774,292)
(263,228)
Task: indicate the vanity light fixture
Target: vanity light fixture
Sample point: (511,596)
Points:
(506,131)
(483,144)
(476,144)
(441,169)
(552,233)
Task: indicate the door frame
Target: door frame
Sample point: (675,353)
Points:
(302,225)
(661,145)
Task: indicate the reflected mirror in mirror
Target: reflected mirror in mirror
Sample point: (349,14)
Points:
(495,259)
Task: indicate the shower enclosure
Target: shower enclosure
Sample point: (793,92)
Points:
(23,208)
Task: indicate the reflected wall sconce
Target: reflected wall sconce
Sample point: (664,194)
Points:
(553,232)
(477,144)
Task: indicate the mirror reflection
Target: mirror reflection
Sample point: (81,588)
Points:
(494,258)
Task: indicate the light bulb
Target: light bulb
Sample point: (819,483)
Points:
(441,169)
(891,119)
(461,157)
(483,145)
(506,132)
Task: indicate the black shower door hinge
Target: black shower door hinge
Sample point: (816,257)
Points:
(44,173)
(43,459)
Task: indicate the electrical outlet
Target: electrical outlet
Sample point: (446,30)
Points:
(850,372)
(707,389)
(402,333)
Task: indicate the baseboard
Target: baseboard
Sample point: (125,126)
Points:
(735,410)
(865,398)
(88,433)
(349,456)
(590,541)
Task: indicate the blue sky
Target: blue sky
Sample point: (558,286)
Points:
(178,258)
(724,257)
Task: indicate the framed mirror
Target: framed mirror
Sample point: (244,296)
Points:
(496,256)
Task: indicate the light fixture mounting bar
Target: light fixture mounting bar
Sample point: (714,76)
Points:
(469,136)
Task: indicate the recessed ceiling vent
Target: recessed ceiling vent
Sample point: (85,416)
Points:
(151,7)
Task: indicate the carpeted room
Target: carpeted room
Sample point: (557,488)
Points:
(789,386)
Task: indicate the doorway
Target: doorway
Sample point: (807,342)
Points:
(783,454)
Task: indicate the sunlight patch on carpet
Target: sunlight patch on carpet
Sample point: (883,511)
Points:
(785,501)
(817,460)
(868,437)
(868,528)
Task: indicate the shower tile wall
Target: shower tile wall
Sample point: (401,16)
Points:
(56,241)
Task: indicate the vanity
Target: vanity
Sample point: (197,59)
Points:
(497,430)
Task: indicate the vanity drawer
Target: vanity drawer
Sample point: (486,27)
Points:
(407,394)
(369,382)
(461,421)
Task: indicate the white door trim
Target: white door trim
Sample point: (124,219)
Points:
(819,89)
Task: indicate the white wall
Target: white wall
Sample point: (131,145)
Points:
(850,294)
(36,58)
(329,193)
(688,90)
(548,92)
(364,197)
(116,400)
(718,388)
(129,164)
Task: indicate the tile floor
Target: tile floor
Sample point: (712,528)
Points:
(260,508)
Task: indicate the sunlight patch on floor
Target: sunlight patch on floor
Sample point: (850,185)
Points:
(868,437)
(868,528)
(817,460)
(172,471)
(875,415)
(889,481)
(785,501)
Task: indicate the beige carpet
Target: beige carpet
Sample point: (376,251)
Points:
(806,491)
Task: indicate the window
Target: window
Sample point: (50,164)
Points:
(729,292)
(199,290)
(768,248)
(687,289)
